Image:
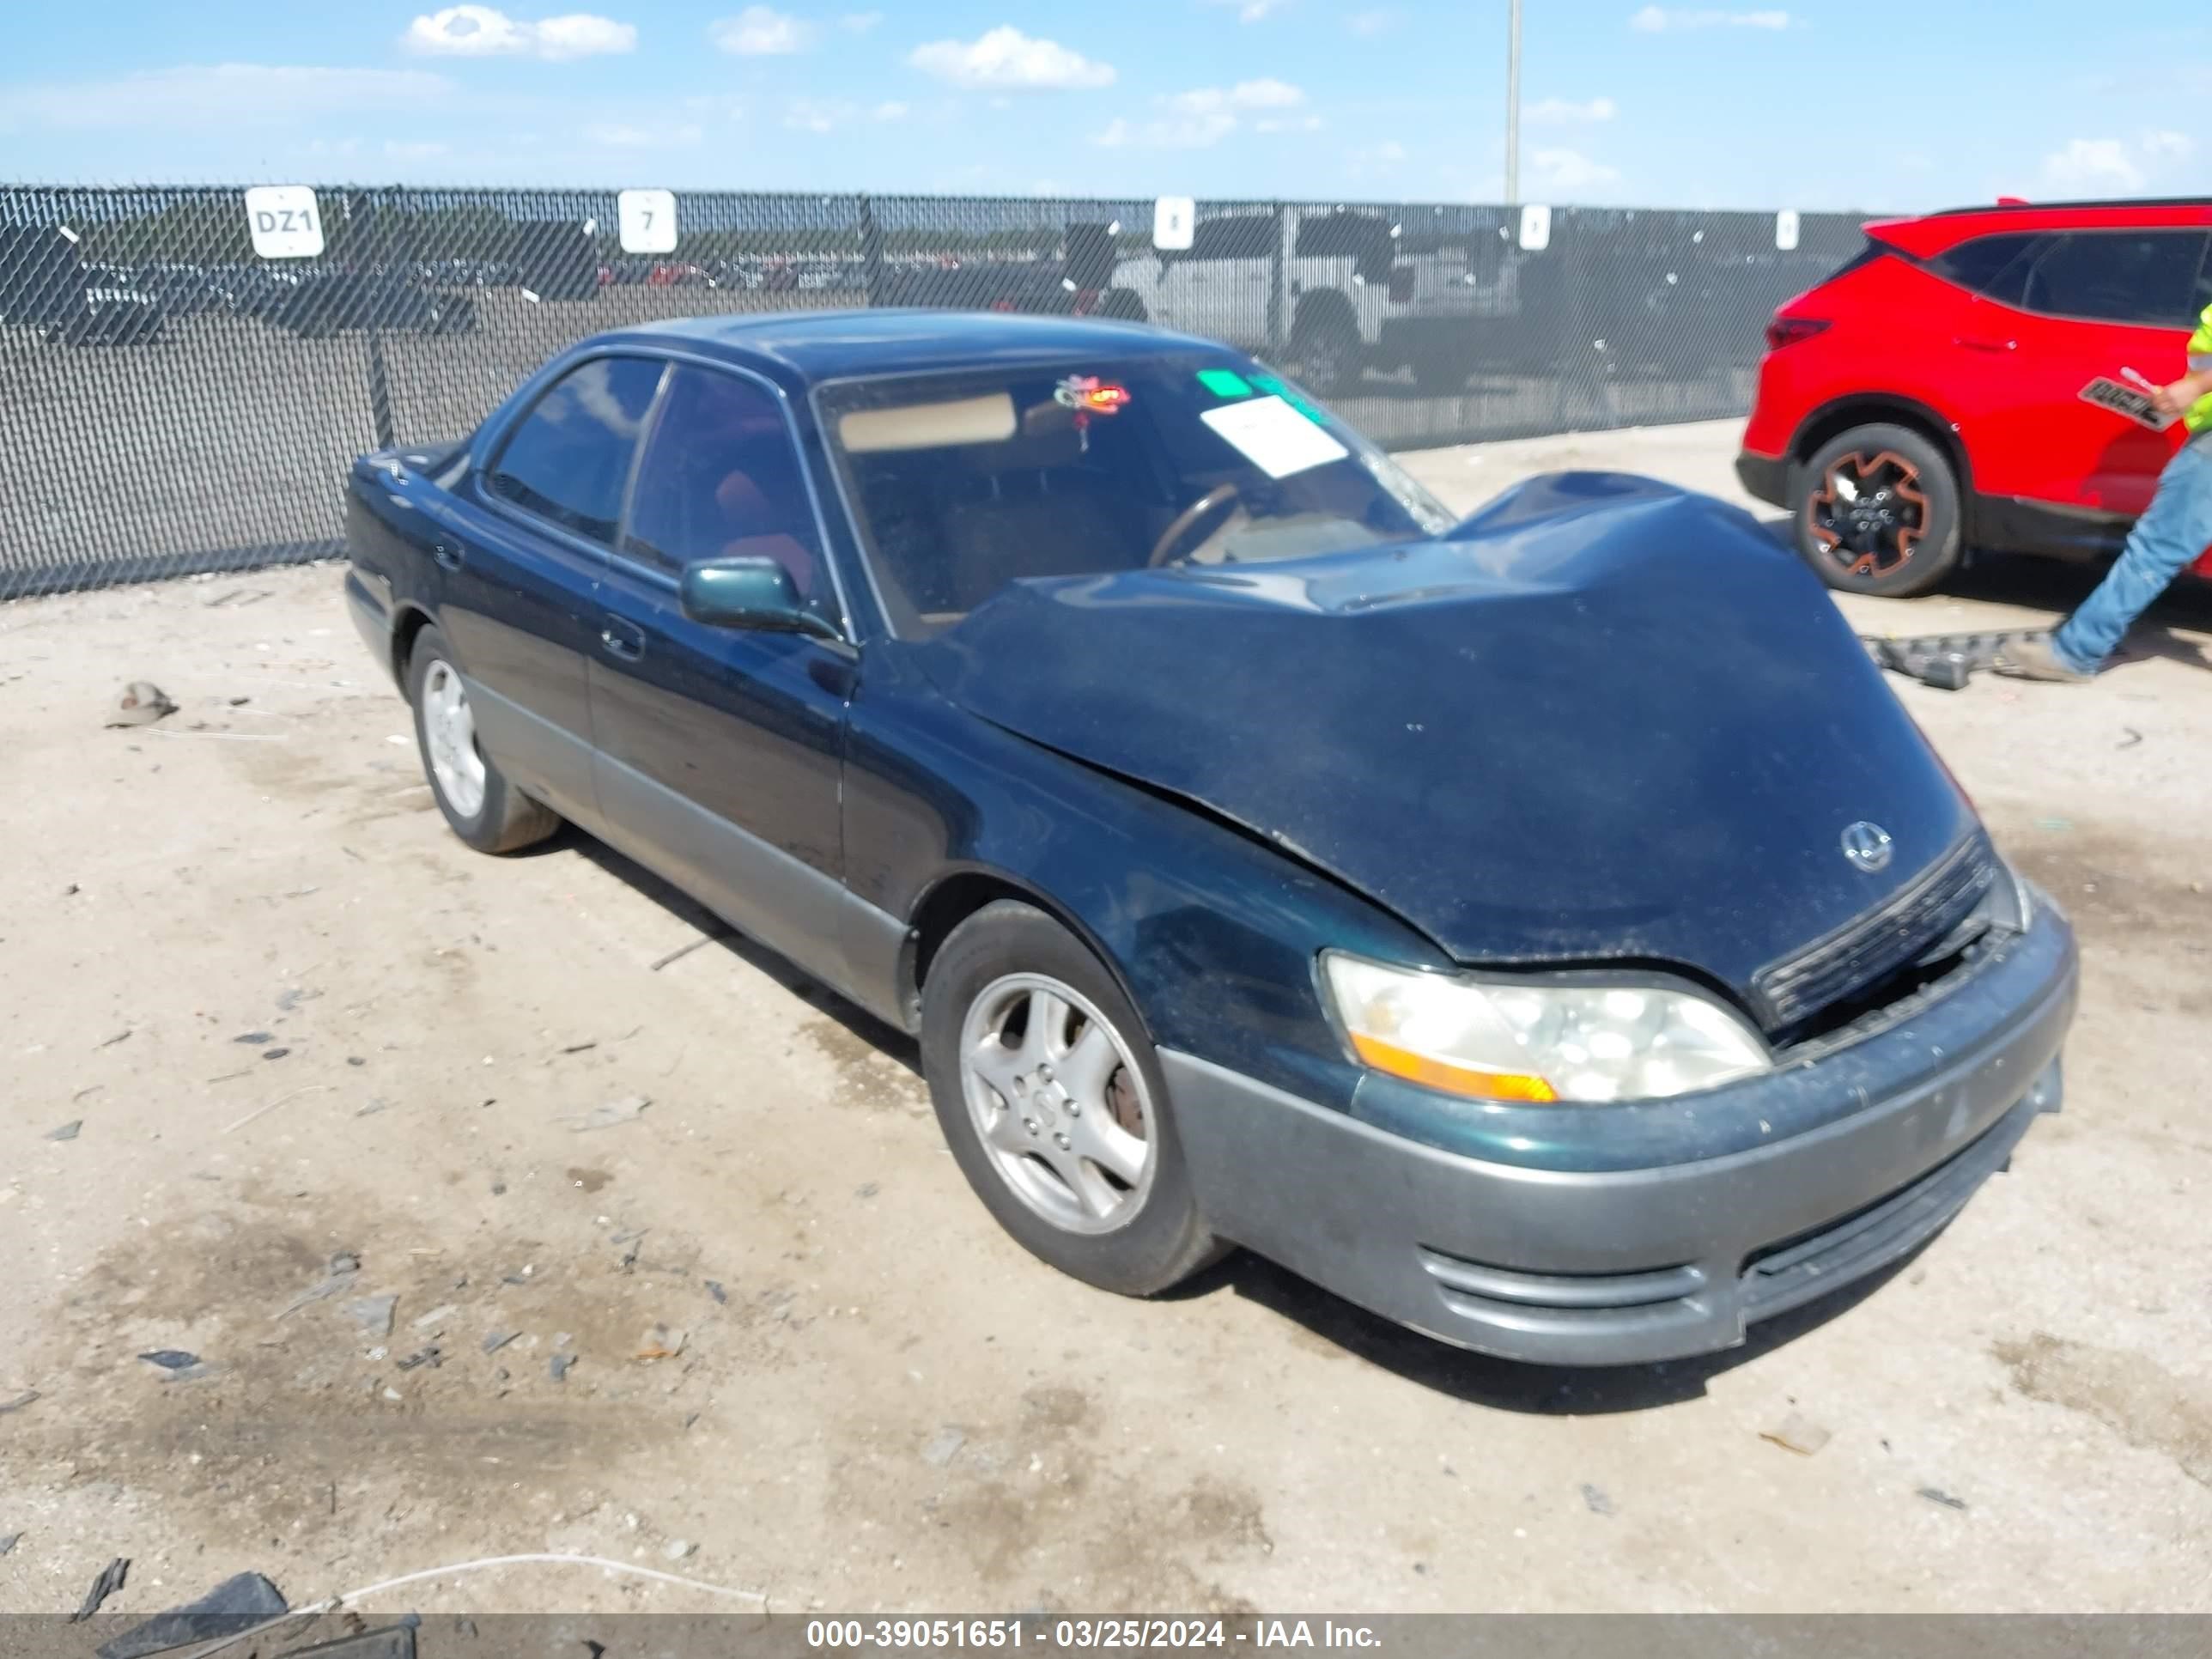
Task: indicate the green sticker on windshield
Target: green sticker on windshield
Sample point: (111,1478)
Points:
(1269,382)
(1224,383)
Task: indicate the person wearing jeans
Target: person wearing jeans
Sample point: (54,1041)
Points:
(2173,530)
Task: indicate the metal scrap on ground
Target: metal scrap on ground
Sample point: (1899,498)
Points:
(1946,661)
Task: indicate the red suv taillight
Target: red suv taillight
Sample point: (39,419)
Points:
(1788,331)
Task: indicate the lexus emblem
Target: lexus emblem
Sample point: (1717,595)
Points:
(1867,847)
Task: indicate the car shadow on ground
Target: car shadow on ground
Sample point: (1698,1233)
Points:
(717,934)
(1503,1384)
(1476,1379)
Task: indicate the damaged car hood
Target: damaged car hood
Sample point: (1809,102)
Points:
(1603,720)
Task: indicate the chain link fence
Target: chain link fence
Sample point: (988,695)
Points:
(170,401)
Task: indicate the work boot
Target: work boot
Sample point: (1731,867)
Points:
(2036,657)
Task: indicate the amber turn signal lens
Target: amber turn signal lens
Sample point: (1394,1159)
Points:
(1443,1074)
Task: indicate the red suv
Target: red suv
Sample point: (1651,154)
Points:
(1928,397)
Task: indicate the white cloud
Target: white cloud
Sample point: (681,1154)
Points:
(2094,164)
(761,32)
(1652,19)
(1005,58)
(230,93)
(1387,153)
(1204,116)
(1556,112)
(413,149)
(827,114)
(2161,145)
(1251,11)
(1569,169)
(487,32)
(1176,132)
(812,115)
(859,22)
(645,135)
(1371,22)
(1244,95)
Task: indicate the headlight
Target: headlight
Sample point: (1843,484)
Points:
(1572,1043)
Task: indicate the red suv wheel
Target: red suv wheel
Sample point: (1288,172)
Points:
(1876,511)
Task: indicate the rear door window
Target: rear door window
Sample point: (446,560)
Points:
(2146,279)
(568,460)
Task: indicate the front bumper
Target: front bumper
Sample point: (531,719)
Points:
(1615,1266)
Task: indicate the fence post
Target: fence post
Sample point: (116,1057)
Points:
(380,379)
(1278,280)
(871,250)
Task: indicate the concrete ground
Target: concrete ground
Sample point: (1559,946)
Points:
(292,1016)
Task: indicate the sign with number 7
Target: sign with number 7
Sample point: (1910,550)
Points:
(646,220)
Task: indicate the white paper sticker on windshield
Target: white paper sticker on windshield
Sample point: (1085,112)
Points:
(1273,436)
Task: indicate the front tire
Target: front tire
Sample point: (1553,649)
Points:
(481,806)
(1053,1104)
(1876,511)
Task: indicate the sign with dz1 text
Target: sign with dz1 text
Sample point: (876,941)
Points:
(285,221)
(646,220)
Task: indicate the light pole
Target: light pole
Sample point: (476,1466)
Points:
(1512,102)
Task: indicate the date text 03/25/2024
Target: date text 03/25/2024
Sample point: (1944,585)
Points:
(1072,1634)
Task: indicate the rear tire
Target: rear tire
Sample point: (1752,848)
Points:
(480,805)
(1875,510)
(1325,343)
(1022,1104)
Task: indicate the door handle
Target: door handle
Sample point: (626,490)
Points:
(447,554)
(1975,343)
(623,641)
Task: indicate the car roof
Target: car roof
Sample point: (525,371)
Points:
(812,346)
(1928,234)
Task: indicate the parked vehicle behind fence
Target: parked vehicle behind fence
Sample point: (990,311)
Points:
(1327,288)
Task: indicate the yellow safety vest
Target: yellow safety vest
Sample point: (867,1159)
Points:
(2200,358)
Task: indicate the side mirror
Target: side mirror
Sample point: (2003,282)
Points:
(754,593)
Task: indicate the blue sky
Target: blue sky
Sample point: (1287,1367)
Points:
(1818,105)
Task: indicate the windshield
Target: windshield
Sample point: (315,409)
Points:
(966,483)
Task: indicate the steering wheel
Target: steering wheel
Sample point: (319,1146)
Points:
(1189,519)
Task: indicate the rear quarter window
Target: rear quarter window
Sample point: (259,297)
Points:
(1995,267)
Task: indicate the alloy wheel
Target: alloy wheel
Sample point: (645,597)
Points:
(449,734)
(1059,1102)
(1869,513)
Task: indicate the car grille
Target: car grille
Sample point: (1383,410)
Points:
(1910,927)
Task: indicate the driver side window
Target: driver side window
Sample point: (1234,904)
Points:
(721,479)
